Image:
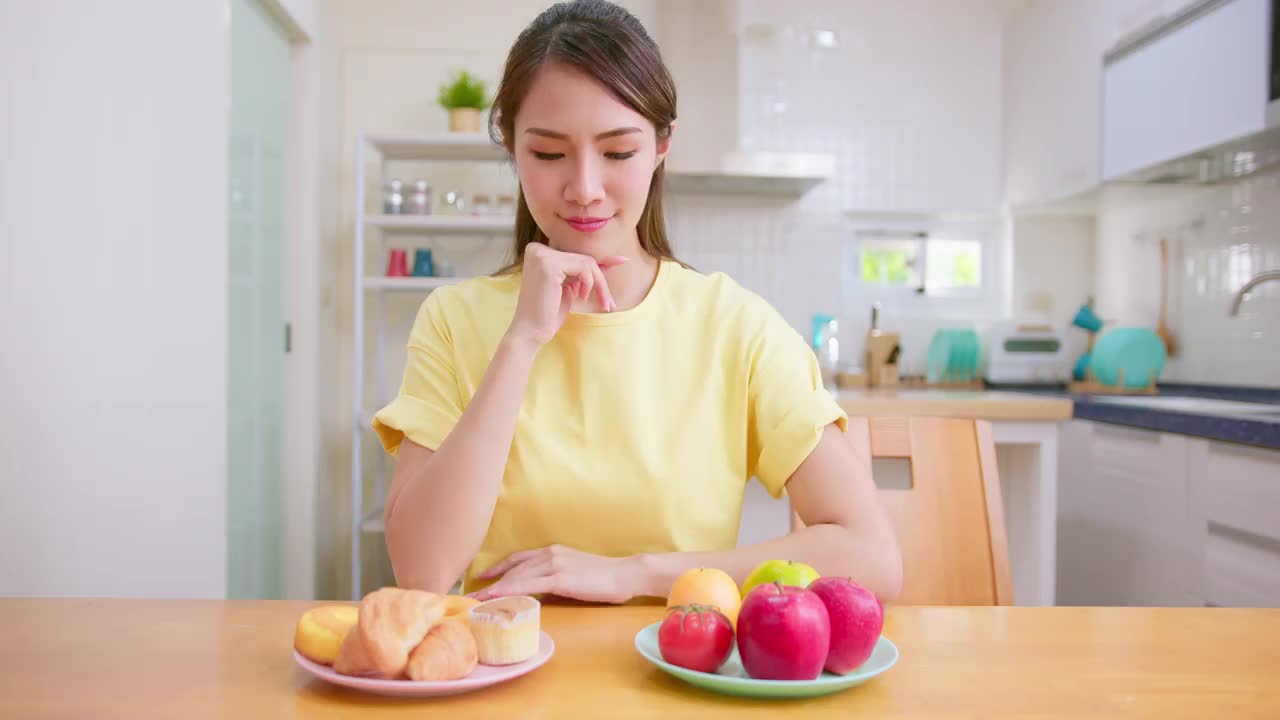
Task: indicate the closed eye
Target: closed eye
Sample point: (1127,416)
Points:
(611,156)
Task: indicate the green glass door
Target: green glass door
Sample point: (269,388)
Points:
(256,321)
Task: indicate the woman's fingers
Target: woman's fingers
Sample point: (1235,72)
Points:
(606,297)
(584,275)
(518,586)
(507,563)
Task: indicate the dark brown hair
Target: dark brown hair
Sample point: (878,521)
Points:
(606,43)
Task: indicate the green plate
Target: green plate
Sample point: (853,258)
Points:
(731,679)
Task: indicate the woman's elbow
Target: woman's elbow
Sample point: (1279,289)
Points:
(417,570)
(876,564)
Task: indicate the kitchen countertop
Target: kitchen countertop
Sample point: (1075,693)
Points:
(1262,430)
(981,404)
(72,658)
(1031,403)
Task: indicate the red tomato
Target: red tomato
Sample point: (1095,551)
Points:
(695,637)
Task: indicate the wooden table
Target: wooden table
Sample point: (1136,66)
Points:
(196,659)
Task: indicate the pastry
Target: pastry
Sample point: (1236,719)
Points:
(352,658)
(392,623)
(457,606)
(506,629)
(448,652)
(321,631)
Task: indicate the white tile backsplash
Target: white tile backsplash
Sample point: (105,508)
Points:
(1219,237)
(899,146)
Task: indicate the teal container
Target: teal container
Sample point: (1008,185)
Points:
(953,356)
(422,264)
(1136,353)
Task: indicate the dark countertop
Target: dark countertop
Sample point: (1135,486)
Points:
(1262,429)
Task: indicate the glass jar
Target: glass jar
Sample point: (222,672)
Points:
(419,202)
(506,205)
(826,345)
(454,203)
(393,197)
(481,205)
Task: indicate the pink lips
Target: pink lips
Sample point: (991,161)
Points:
(586,224)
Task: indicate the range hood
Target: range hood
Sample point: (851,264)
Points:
(760,173)
(701,44)
(1196,98)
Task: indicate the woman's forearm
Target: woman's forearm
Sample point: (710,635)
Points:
(438,521)
(830,549)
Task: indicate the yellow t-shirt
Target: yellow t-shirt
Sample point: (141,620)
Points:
(639,429)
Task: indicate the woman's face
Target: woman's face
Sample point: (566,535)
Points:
(585,160)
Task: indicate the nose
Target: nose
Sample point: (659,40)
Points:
(584,187)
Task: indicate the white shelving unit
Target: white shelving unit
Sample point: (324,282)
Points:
(449,148)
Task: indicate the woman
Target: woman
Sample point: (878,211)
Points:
(583,424)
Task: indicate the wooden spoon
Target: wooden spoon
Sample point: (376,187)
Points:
(1162,328)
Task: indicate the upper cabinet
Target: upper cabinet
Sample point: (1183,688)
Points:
(1187,87)
(1053,103)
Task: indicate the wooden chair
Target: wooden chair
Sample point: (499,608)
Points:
(950,521)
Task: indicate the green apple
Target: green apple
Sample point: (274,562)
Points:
(787,572)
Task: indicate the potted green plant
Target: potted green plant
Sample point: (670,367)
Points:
(464,96)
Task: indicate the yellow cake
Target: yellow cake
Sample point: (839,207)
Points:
(506,629)
(321,630)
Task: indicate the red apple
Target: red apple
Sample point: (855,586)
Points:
(783,633)
(856,617)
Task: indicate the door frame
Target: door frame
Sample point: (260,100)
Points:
(303,292)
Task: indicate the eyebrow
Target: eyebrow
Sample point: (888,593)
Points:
(602,136)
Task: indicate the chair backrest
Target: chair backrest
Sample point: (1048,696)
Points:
(950,521)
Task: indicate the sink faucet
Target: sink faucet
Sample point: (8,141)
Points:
(1256,281)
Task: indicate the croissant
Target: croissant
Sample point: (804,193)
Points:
(352,658)
(393,621)
(448,652)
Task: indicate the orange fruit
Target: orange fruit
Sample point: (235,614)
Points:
(707,586)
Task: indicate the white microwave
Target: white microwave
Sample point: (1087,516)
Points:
(1196,98)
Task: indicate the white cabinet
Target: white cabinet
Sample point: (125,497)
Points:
(1235,522)
(1151,518)
(1122,524)
(1053,57)
(1216,95)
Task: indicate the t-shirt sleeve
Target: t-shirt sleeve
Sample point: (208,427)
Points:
(788,407)
(428,403)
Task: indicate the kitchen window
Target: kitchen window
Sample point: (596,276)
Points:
(919,262)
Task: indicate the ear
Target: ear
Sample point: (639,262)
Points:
(664,146)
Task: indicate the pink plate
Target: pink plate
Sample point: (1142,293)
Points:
(482,676)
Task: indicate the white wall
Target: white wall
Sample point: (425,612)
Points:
(113,204)
(1053,275)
